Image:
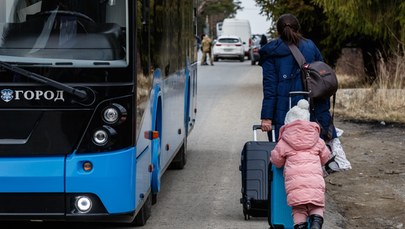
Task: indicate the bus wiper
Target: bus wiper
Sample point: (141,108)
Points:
(42,79)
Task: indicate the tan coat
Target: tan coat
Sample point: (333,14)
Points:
(206,44)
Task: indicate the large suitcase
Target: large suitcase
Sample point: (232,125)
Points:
(280,214)
(254,169)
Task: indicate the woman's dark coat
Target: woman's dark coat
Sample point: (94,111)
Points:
(281,74)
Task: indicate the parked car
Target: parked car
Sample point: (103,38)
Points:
(228,47)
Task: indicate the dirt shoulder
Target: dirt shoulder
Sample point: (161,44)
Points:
(372,193)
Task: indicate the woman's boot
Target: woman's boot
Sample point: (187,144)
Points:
(301,226)
(315,221)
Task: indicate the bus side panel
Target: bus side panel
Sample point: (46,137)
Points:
(112,179)
(34,174)
(192,110)
(143,177)
(173,131)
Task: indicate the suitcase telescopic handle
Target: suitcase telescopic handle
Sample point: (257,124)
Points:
(299,93)
(295,93)
(259,127)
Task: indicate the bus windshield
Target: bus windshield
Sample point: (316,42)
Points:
(64,33)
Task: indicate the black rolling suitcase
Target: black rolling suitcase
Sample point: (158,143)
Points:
(254,169)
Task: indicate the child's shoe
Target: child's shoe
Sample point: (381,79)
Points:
(315,221)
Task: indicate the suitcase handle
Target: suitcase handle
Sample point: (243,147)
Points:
(299,93)
(295,93)
(257,127)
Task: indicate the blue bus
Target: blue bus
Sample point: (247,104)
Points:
(98,98)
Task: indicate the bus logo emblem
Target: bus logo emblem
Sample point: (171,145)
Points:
(7,95)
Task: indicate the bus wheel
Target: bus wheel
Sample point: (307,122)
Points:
(179,160)
(144,214)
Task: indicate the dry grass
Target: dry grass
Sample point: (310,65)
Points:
(383,101)
(386,105)
(350,81)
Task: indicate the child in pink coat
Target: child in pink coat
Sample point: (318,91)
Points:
(302,153)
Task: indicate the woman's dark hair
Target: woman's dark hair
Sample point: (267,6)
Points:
(288,28)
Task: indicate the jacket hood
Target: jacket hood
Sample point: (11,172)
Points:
(300,134)
(275,48)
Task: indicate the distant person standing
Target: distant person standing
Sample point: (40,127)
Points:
(201,38)
(206,45)
(263,40)
(198,41)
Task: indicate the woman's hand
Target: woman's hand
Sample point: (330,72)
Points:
(266,125)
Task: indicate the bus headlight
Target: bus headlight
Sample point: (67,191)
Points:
(83,204)
(103,135)
(114,114)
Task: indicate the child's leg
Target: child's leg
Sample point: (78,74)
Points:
(315,216)
(300,214)
(315,210)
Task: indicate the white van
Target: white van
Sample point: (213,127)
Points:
(240,28)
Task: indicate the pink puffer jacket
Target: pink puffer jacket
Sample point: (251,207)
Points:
(302,152)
